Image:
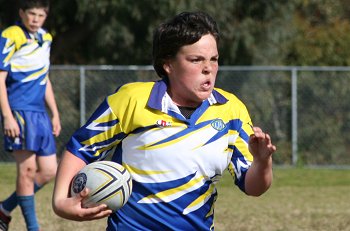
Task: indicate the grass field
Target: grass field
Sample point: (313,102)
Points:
(299,200)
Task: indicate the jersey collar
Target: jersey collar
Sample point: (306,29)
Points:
(160,100)
(37,37)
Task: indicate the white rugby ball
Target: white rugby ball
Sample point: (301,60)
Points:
(108,183)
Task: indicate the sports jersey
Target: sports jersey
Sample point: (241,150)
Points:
(174,162)
(26,59)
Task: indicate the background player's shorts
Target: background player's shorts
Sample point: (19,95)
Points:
(35,134)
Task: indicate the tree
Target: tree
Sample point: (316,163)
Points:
(322,32)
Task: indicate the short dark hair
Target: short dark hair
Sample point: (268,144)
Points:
(184,29)
(29,4)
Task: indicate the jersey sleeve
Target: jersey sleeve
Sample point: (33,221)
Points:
(7,48)
(11,39)
(241,158)
(98,136)
(111,122)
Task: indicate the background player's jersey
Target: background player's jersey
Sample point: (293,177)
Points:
(175,162)
(27,61)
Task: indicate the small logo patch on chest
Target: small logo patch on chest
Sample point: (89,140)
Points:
(163,123)
(218,124)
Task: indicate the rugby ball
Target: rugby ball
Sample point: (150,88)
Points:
(108,183)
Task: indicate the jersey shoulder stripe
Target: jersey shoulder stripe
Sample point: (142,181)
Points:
(15,35)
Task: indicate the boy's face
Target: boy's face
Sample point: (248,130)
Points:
(192,73)
(33,18)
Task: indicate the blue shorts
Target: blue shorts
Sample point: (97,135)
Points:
(35,134)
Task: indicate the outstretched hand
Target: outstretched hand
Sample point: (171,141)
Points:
(259,176)
(260,145)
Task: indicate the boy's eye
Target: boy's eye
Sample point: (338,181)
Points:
(215,59)
(196,60)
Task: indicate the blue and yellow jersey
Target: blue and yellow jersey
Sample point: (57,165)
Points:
(175,162)
(27,61)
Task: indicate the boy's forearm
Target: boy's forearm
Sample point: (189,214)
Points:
(4,103)
(50,100)
(259,178)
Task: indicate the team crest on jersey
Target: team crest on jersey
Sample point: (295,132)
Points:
(79,183)
(163,123)
(218,124)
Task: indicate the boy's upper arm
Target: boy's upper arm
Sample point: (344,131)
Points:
(3,75)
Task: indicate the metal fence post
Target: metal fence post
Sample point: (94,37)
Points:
(82,96)
(294,108)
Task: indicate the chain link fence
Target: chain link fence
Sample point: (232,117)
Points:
(305,109)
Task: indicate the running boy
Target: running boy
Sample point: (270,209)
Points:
(176,137)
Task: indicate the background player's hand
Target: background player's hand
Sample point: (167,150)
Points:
(260,145)
(71,208)
(11,127)
(56,126)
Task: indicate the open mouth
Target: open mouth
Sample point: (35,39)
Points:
(206,85)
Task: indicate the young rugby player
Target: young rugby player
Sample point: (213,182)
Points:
(25,90)
(176,137)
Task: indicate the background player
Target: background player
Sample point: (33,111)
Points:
(24,89)
(176,136)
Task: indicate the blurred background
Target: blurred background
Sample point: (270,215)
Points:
(259,32)
(287,60)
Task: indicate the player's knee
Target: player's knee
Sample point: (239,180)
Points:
(52,174)
(27,173)
(46,175)
(46,170)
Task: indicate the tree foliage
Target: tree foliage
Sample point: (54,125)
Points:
(119,32)
(321,34)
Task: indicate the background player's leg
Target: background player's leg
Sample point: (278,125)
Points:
(47,167)
(26,170)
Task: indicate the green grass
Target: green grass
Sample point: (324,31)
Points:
(299,200)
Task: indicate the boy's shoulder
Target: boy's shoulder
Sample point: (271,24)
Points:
(11,31)
(226,94)
(14,34)
(231,97)
(133,91)
(17,34)
(46,35)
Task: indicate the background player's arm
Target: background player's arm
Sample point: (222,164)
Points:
(51,103)
(11,127)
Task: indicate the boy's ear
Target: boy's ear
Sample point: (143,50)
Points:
(21,13)
(167,67)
